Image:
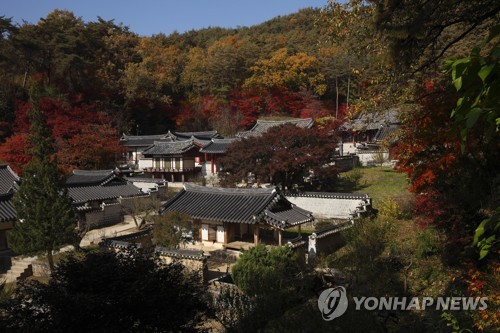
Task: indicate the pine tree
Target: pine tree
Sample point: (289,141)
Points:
(45,217)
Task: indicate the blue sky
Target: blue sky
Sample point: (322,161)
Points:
(148,17)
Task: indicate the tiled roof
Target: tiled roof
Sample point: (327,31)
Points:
(89,177)
(387,133)
(205,135)
(148,140)
(143,140)
(217,146)
(287,217)
(200,142)
(181,253)
(373,120)
(91,185)
(332,195)
(132,236)
(108,191)
(168,148)
(332,229)
(7,179)
(296,242)
(7,210)
(263,126)
(237,206)
(158,181)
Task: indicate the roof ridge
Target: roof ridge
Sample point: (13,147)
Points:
(284,120)
(150,136)
(82,172)
(338,195)
(226,190)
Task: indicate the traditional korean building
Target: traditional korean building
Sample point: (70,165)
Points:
(262,126)
(178,161)
(213,151)
(97,196)
(9,182)
(136,144)
(367,134)
(233,217)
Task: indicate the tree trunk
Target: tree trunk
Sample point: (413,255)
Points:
(25,77)
(50,259)
(336,97)
(348,83)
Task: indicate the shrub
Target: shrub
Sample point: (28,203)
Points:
(427,243)
(260,271)
(389,209)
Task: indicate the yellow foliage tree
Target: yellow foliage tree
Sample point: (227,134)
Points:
(296,72)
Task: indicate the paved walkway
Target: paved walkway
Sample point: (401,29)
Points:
(94,236)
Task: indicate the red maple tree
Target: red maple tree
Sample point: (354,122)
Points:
(287,155)
(83,136)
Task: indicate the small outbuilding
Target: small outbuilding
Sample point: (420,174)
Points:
(236,217)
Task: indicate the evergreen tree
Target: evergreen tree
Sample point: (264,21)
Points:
(45,217)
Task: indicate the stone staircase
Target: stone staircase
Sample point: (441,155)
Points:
(21,268)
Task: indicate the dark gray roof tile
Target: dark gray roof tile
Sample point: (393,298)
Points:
(87,177)
(181,253)
(237,206)
(262,126)
(387,133)
(169,148)
(8,179)
(143,140)
(373,120)
(148,140)
(82,194)
(218,146)
(205,135)
(333,195)
(7,210)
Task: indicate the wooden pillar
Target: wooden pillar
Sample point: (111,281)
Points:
(280,237)
(256,234)
(182,177)
(172,177)
(199,232)
(300,228)
(226,230)
(213,163)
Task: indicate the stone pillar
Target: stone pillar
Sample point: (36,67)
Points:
(312,246)
(256,234)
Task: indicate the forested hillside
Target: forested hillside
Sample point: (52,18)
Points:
(194,80)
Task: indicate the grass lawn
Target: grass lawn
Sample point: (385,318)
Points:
(378,182)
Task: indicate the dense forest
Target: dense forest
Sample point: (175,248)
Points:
(99,77)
